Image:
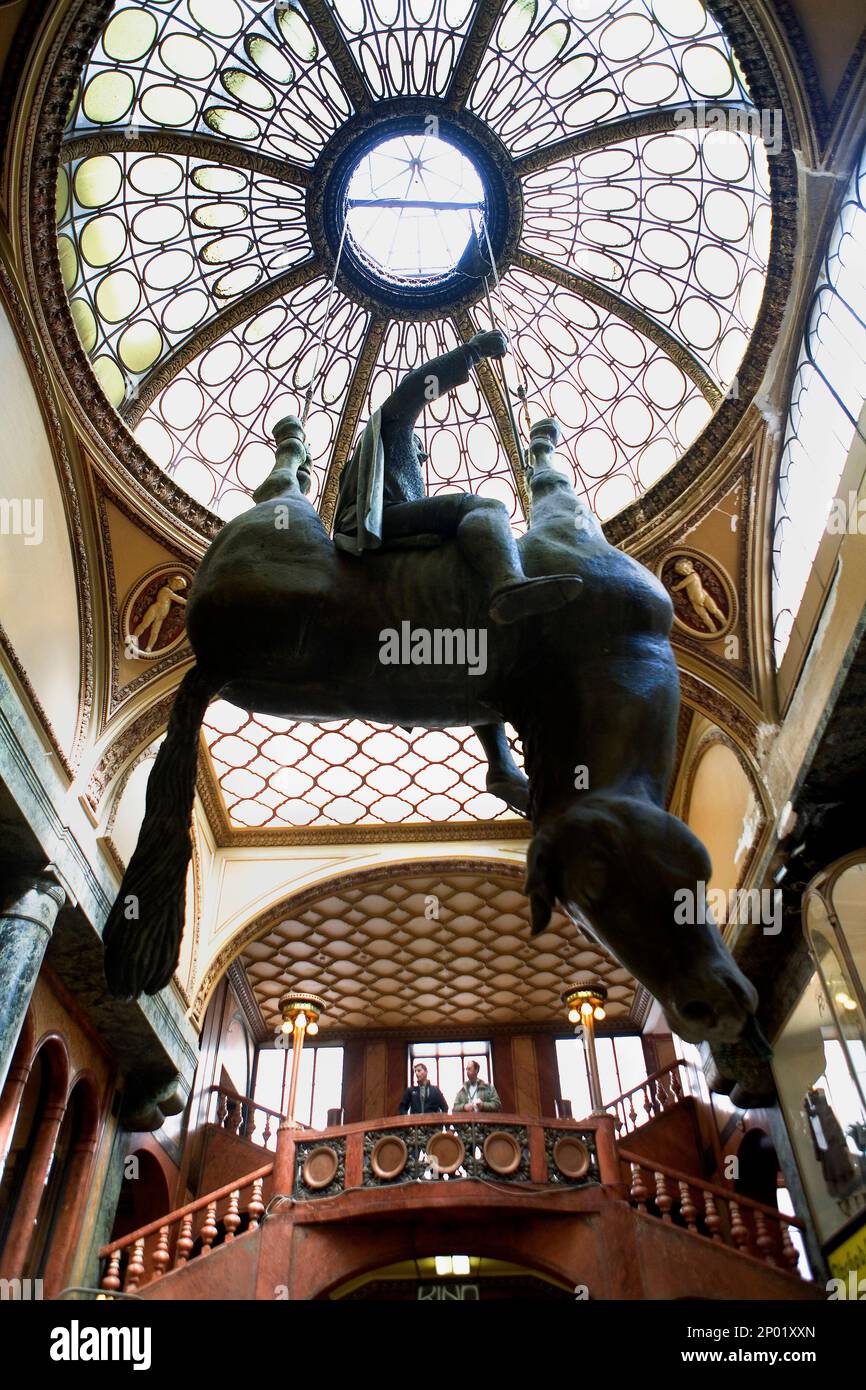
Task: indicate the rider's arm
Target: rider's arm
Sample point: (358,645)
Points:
(426,383)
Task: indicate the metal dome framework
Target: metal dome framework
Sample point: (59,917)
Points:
(192,206)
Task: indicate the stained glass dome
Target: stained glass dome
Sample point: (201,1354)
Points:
(262,206)
(214,148)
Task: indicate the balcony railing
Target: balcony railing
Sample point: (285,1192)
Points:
(507,1150)
(247,1118)
(190,1232)
(658,1093)
(705,1209)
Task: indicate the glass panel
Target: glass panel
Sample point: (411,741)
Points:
(234,68)
(826,403)
(627,411)
(678,224)
(824,1112)
(273,772)
(553,68)
(621,1066)
(405,46)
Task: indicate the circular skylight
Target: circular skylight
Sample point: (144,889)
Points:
(413,205)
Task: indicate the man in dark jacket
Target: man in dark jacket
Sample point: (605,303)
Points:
(422,1098)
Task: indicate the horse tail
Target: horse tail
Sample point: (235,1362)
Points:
(143,931)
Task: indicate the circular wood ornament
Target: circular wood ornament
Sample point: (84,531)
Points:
(502,1153)
(447,1150)
(320,1167)
(571,1157)
(388,1157)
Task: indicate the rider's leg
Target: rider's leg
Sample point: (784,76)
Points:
(488,545)
(504,778)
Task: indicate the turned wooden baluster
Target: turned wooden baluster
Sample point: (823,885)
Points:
(266,1134)
(764,1239)
(161,1258)
(232,1219)
(789,1250)
(250,1126)
(639,1190)
(255,1206)
(712,1220)
(688,1208)
(234,1117)
(185,1242)
(676,1084)
(209,1229)
(649,1101)
(222,1108)
(632,1113)
(664,1201)
(135,1268)
(111,1277)
(739,1229)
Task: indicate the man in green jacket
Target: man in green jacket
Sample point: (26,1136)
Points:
(476,1095)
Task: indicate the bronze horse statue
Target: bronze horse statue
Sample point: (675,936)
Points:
(284,623)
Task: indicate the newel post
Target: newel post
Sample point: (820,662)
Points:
(609,1167)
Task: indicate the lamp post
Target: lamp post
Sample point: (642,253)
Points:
(300,1011)
(584,1001)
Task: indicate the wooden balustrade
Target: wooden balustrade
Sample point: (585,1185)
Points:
(763,1233)
(246,1117)
(659,1092)
(222,1214)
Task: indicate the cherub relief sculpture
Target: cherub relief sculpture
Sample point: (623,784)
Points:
(156,613)
(705,607)
(284,621)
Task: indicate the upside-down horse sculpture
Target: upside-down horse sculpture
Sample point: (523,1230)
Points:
(283,621)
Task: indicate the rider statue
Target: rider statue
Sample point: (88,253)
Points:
(382,505)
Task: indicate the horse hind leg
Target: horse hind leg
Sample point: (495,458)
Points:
(143,931)
(504,778)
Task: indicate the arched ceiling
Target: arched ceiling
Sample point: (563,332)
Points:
(448,949)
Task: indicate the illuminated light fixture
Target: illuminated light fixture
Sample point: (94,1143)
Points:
(451,1264)
(300,1011)
(584,1002)
(844,999)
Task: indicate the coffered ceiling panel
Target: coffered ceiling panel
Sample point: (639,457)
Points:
(425,951)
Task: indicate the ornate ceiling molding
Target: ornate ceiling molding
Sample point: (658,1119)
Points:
(484,22)
(186,145)
(319,12)
(359,385)
(492,393)
(658,122)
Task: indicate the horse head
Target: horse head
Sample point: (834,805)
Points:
(621,865)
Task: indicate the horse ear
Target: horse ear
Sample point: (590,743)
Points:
(540,886)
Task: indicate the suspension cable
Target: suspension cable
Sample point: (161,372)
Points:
(325,317)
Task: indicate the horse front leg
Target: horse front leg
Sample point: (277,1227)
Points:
(504,777)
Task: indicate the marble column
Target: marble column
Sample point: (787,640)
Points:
(26,923)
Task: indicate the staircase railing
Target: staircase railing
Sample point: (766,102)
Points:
(214,1219)
(705,1209)
(246,1117)
(659,1092)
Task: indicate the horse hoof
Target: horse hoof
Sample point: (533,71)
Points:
(525,598)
